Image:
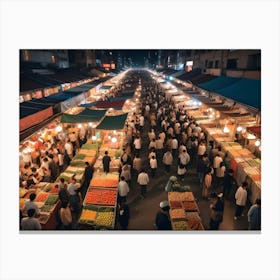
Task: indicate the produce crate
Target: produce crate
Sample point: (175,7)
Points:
(180,196)
(190,206)
(41,197)
(177,214)
(194,225)
(101,196)
(94,222)
(101,179)
(179,224)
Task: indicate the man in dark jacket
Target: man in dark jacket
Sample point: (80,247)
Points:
(162,219)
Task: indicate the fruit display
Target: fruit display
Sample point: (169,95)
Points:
(52,199)
(22,203)
(180,196)
(105,219)
(187,196)
(22,192)
(101,197)
(101,179)
(41,197)
(54,190)
(43,218)
(179,225)
(88,216)
(91,146)
(177,214)
(175,204)
(190,206)
(194,225)
(47,208)
(193,216)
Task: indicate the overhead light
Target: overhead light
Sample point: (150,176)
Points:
(251,136)
(79,125)
(93,138)
(239,129)
(226,129)
(258,143)
(58,128)
(114,139)
(90,124)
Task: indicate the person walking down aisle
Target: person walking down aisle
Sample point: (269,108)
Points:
(123,215)
(162,221)
(30,223)
(217,211)
(106,162)
(254,216)
(123,190)
(143,180)
(241,199)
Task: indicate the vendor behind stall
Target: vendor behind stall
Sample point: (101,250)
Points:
(174,186)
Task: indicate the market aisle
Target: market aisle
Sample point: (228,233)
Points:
(143,211)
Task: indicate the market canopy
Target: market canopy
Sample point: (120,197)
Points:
(256,130)
(105,87)
(219,83)
(109,104)
(246,91)
(113,122)
(87,115)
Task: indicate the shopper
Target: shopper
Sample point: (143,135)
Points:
(241,199)
(162,221)
(123,215)
(123,190)
(153,166)
(254,215)
(167,160)
(207,183)
(88,173)
(228,184)
(106,162)
(143,180)
(220,174)
(217,211)
(65,216)
(30,222)
(30,204)
(137,164)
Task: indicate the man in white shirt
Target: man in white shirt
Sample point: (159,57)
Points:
(143,180)
(137,144)
(153,165)
(69,149)
(123,190)
(241,199)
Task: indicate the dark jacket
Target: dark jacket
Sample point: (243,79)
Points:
(162,221)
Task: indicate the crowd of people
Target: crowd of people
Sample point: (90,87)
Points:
(174,139)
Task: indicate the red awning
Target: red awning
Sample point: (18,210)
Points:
(256,130)
(109,104)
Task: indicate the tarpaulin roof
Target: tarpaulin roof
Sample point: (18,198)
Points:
(82,88)
(87,115)
(105,87)
(246,91)
(109,104)
(219,83)
(113,122)
(257,130)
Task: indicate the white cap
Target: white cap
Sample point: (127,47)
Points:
(163,204)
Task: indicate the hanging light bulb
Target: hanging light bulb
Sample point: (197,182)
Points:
(90,124)
(226,129)
(258,143)
(58,128)
(79,125)
(93,138)
(239,129)
(114,139)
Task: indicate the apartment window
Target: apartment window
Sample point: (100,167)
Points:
(232,63)
(210,64)
(254,62)
(206,63)
(217,64)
